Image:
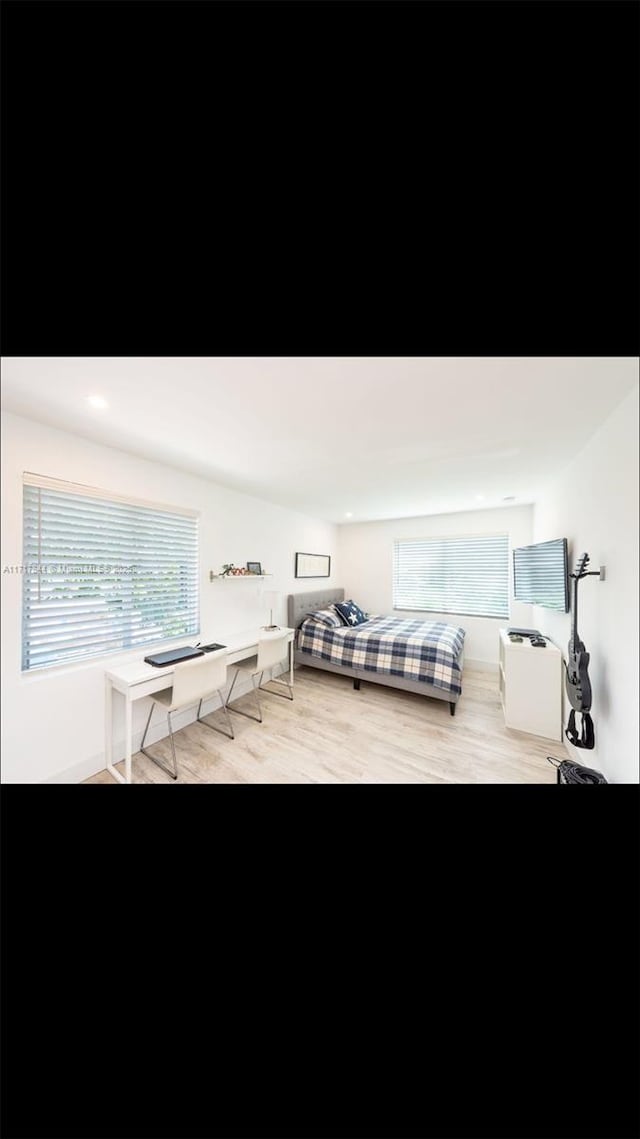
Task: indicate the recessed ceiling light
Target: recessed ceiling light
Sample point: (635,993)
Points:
(348,514)
(480,497)
(97,401)
(509,498)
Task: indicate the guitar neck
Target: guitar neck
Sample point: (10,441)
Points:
(579,572)
(574,616)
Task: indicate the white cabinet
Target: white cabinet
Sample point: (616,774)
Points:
(531,687)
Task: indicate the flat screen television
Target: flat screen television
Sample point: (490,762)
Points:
(541,575)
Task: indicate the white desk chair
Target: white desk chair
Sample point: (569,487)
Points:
(272,650)
(192,681)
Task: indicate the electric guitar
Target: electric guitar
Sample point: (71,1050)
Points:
(577,677)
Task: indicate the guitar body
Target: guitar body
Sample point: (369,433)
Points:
(578,684)
(577,677)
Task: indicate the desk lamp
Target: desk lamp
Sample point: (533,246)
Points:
(271,598)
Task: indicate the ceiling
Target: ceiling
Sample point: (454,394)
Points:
(369,437)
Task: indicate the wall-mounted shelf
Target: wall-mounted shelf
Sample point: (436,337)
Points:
(238,576)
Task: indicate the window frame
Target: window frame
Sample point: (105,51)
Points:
(453,538)
(113,498)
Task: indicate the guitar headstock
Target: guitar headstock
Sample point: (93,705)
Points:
(581,566)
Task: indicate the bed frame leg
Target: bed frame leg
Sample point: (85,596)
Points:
(356,685)
(452,707)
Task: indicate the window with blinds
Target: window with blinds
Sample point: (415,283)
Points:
(102,573)
(466,576)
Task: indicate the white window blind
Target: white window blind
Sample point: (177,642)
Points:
(103,574)
(466,576)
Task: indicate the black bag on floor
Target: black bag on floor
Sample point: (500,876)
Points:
(575,773)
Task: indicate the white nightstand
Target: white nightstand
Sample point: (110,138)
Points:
(531,687)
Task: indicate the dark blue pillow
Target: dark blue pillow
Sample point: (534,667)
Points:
(351,613)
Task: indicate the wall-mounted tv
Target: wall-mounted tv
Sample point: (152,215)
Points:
(541,575)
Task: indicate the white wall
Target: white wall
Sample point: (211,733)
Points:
(53,720)
(366,559)
(594,503)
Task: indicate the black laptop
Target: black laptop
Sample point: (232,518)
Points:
(173,656)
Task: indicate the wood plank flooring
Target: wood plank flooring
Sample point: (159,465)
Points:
(333,734)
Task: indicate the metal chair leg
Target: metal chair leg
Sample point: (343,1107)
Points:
(144,734)
(228,719)
(213,727)
(255,689)
(283,683)
(235,677)
(173,746)
(158,762)
(238,711)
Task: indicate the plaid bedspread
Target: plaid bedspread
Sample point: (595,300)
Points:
(417,650)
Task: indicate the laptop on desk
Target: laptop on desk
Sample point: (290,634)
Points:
(173,656)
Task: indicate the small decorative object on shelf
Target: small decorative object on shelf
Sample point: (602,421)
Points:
(229,570)
(254,567)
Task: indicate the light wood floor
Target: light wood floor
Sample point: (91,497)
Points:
(333,734)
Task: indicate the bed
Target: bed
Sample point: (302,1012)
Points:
(417,656)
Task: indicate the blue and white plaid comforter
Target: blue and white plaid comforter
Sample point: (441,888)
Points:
(417,650)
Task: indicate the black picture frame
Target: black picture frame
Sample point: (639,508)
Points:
(313,565)
(254,567)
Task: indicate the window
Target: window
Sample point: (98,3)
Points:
(103,573)
(467,576)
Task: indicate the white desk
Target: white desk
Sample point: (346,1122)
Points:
(137,679)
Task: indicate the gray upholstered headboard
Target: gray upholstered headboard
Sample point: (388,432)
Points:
(300,604)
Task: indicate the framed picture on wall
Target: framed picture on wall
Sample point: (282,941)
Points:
(254,567)
(313,565)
